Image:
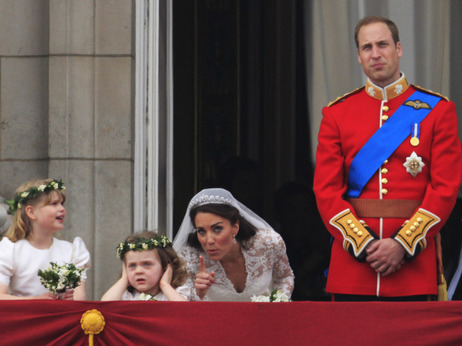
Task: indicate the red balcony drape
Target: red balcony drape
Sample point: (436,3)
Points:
(212,323)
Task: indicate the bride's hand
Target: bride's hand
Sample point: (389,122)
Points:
(204,279)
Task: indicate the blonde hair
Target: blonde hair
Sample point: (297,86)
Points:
(21,225)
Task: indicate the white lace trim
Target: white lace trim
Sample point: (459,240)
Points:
(266,264)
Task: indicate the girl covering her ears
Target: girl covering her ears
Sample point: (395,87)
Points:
(29,244)
(151,270)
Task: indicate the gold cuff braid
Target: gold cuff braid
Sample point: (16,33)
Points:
(414,231)
(353,231)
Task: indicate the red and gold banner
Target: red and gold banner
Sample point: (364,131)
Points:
(212,323)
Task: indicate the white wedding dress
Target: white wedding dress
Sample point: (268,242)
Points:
(266,264)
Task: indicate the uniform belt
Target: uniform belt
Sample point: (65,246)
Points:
(389,208)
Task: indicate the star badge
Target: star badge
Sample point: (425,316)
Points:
(414,164)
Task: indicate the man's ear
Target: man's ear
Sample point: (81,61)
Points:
(399,49)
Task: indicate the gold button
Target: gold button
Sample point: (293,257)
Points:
(408,233)
(419,219)
(349,221)
(384,117)
(384,171)
(385,162)
(352,225)
(384,181)
(359,233)
(384,191)
(385,108)
(416,224)
(412,228)
(355,229)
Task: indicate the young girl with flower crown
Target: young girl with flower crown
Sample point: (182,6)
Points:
(151,270)
(29,245)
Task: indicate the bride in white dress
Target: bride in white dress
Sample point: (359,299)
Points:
(231,253)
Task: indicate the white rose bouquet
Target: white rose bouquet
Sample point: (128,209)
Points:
(58,279)
(275,296)
(146,296)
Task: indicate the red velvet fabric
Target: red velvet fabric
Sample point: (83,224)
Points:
(212,323)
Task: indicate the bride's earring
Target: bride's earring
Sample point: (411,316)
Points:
(234,239)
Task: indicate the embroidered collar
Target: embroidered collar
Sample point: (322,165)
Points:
(391,91)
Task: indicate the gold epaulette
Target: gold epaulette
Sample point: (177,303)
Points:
(353,231)
(430,92)
(341,98)
(414,231)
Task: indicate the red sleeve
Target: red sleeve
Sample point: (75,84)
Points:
(330,186)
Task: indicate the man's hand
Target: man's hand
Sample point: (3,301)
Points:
(385,256)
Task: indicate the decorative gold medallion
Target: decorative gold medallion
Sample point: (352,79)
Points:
(414,164)
(415,141)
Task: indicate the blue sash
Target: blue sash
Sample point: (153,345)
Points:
(386,139)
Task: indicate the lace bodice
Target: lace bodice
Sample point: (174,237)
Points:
(266,263)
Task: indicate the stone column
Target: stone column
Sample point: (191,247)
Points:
(91,125)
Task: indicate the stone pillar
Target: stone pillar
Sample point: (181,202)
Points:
(91,125)
(66,112)
(23,93)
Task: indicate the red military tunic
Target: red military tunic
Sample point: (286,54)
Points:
(347,125)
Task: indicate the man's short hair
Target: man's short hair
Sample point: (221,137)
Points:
(377,19)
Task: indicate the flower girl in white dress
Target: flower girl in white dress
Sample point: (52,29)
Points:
(29,244)
(151,270)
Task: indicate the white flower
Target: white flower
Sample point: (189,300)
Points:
(144,296)
(145,246)
(260,299)
(280,297)
(24,194)
(41,188)
(60,278)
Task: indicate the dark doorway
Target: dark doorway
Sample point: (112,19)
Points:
(240,105)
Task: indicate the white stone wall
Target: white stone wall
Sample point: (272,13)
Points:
(66,111)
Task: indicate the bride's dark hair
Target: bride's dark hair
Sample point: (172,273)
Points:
(228,212)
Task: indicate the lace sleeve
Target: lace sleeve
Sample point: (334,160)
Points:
(283,277)
(190,257)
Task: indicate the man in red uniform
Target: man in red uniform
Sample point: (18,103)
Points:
(388,167)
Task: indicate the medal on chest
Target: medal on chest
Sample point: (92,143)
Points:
(414,164)
(415,134)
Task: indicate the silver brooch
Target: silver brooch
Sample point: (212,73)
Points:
(414,164)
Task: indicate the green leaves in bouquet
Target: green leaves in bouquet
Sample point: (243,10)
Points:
(58,279)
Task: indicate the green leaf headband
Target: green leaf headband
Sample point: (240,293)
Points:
(33,192)
(143,244)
